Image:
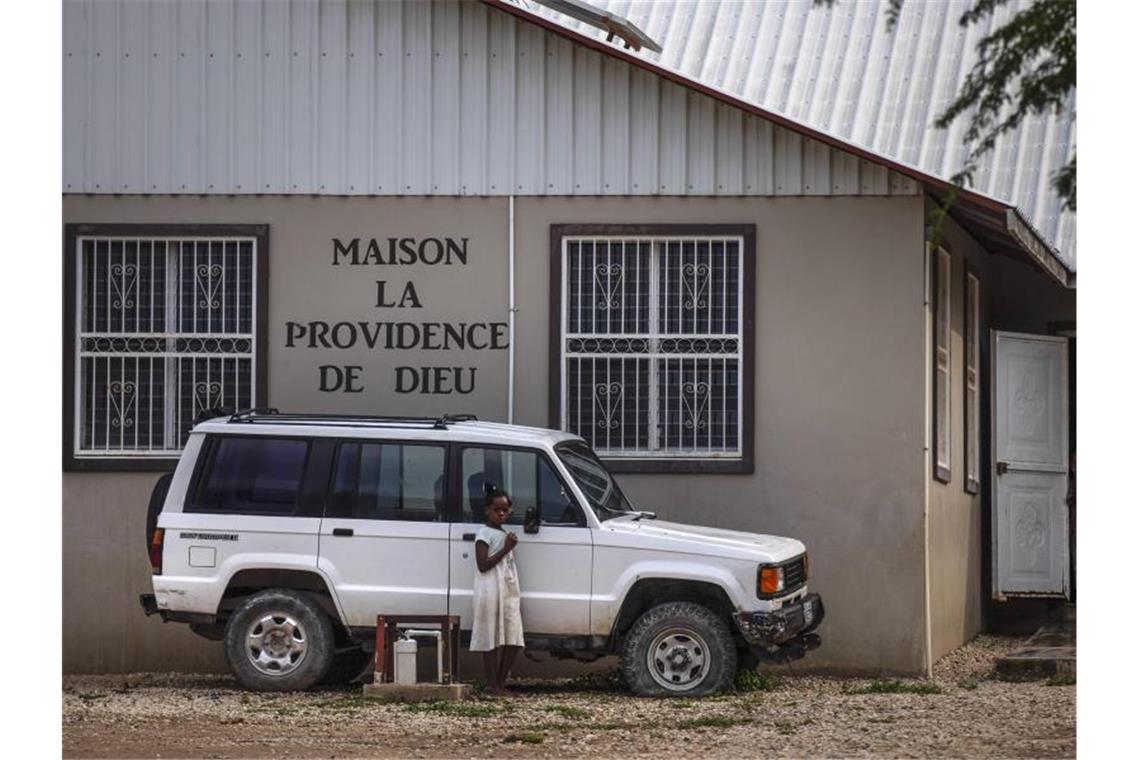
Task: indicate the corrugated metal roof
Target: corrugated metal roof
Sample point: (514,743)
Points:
(840,70)
(402,98)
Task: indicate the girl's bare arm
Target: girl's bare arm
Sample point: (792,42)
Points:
(485,561)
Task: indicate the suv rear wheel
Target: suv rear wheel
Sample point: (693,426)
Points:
(678,649)
(279,640)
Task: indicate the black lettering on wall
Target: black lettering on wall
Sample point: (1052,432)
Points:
(340,249)
(459,252)
(404,251)
(336,378)
(435,380)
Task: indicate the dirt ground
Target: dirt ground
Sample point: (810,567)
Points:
(963,712)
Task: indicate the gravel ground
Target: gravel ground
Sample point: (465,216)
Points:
(967,714)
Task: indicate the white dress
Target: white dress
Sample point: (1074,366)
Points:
(498,620)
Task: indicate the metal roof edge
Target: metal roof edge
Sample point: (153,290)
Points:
(1029,239)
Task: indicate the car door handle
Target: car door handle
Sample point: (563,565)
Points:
(468,536)
(342,531)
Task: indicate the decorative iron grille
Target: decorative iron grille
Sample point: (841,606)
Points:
(164,331)
(651,345)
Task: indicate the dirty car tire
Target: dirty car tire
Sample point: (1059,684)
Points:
(678,649)
(279,640)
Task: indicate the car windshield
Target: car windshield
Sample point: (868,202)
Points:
(601,490)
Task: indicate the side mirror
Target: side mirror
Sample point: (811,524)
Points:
(530,520)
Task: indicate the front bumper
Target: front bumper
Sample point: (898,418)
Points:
(771,629)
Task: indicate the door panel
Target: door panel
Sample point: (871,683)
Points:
(384,536)
(1032,426)
(554,577)
(1030,472)
(554,564)
(386,567)
(1033,540)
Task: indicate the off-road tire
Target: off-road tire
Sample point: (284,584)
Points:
(685,620)
(315,630)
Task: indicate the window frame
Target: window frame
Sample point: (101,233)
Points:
(460,488)
(972,360)
(72,233)
(694,464)
(943,308)
(338,443)
(207,457)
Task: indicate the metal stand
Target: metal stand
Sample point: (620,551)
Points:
(387,631)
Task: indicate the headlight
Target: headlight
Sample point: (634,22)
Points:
(770,580)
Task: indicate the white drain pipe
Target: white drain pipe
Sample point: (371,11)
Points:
(511,310)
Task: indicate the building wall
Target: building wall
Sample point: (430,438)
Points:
(839,445)
(956,516)
(839,395)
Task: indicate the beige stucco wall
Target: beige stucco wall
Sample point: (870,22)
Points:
(1016,297)
(839,399)
(839,444)
(105,568)
(956,600)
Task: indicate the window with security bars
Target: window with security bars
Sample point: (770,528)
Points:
(652,345)
(164,330)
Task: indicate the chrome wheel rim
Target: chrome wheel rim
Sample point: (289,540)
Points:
(678,659)
(276,643)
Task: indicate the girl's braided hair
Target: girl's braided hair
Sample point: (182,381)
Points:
(493,492)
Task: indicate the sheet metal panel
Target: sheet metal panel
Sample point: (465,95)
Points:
(840,70)
(474,77)
(76,94)
(446,120)
(445,97)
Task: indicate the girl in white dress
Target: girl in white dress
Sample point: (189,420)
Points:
(496,629)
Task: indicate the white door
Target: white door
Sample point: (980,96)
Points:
(555,564)
(384,536)
(1030,469)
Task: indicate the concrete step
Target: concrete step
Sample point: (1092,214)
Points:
(1052,650)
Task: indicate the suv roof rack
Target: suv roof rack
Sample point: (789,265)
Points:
(272,416)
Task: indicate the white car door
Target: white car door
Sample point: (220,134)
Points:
(555,564)
(384,536)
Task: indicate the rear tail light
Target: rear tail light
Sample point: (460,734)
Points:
(156,539)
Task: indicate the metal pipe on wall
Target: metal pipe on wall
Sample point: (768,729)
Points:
(511,309)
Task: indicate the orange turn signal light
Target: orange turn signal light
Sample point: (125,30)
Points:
(771,580)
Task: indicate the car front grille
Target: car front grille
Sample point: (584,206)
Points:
(794,574)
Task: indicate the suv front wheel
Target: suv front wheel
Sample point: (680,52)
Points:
(678,649)
(279,640)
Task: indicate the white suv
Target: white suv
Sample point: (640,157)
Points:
(285,535)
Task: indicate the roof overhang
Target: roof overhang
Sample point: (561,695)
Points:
(997,225)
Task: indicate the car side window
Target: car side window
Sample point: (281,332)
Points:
(252,476)
(524,474)
(388,481)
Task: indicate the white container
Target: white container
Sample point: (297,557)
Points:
(404,661)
